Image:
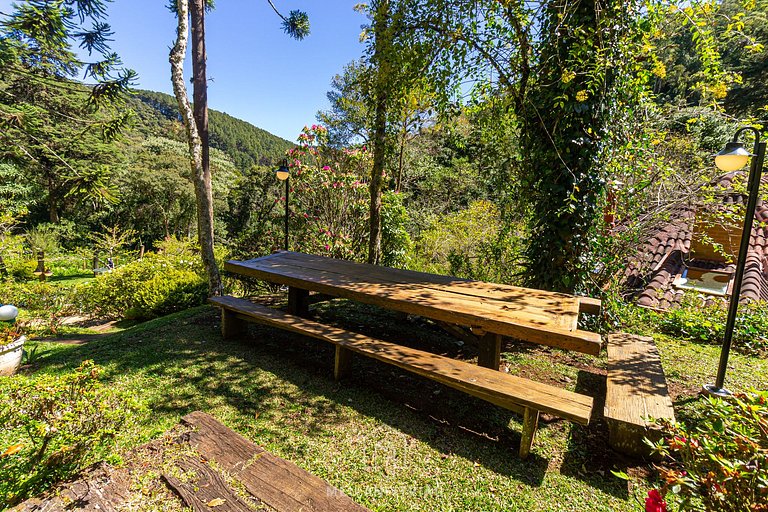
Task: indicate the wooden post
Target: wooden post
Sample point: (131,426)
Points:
(232,326)
(530,423)
(298,302)
(343,362)
(489,351)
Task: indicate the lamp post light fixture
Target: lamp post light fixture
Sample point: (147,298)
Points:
(730,159)
(283,174)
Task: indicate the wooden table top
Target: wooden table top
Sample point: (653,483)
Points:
(538,316)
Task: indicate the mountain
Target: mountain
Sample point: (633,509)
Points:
(244,143)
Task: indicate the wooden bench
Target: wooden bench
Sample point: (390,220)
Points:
(520,395)
(636,392)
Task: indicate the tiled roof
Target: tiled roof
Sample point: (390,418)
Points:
(666,255)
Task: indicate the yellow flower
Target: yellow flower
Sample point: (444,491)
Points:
(582,96)
(567,76)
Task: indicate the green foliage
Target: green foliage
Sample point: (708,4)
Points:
(719,457)
(42,300)
(244,143)
(54,426)
(693,321)
(43,239)
(707,323)
(468,243)
(154,286)
(585,54)
(10,332)
(395,240)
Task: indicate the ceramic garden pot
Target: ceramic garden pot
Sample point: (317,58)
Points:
(10,356)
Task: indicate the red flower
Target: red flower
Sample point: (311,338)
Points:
(654,502)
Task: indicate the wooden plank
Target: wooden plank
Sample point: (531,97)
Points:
(207,490)
(496,387)
(559,309)
(430,304)
(590,305)
(278,483)
(636,390)
(102,488)
(489,351)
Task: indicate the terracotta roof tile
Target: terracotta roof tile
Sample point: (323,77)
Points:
(665,255)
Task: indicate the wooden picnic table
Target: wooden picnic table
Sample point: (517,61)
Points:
(489,310)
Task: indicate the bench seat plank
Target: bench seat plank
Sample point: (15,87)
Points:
(505,390)
(636,391)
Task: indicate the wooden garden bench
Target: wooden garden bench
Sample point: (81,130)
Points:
(517,394)
(636,392)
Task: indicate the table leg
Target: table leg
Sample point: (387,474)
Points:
(489,351)
(298,302)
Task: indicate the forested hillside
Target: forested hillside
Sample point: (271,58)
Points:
(244,143)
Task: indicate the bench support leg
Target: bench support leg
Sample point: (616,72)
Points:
(343,362)
(530,423)
(298,302)
(489,351)
(232,326)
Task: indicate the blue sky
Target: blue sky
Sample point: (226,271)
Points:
(257,73)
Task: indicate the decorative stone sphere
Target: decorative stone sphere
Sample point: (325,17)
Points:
(8,313)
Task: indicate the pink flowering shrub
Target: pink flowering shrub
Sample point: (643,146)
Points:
(718,460)
(329,197)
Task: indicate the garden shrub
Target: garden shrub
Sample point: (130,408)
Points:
(468,243)
(395,241)
(45,302)
(53,426)
(154,286)
(707,324)
(719,459)
(693,321)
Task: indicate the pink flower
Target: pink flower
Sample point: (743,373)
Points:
(327,247)
(326,168)
(654,502)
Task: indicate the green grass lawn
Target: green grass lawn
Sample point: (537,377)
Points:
(389,440)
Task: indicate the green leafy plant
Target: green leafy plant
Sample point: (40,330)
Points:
(154,286)
(53,426)
(43,301)
(9,332)
(707,323)
(718,461)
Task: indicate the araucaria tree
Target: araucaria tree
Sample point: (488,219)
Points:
(56,130)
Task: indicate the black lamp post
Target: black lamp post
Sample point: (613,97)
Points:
(730,159)
(283,174)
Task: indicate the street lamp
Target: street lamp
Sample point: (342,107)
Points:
(732,158)
(283,174)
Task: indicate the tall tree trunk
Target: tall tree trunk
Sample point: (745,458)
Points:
(53,203)
(196,124)
(381,61)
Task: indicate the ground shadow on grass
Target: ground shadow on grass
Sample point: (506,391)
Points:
(581,461)
(198,371)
